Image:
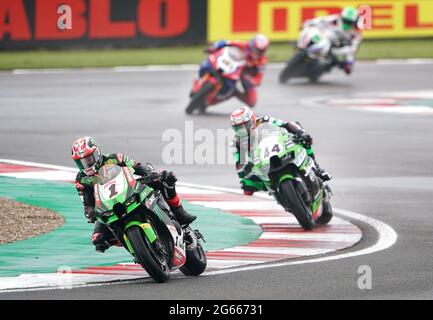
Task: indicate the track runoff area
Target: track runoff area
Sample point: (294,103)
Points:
(280,242)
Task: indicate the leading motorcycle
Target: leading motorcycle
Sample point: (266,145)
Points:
(142,222)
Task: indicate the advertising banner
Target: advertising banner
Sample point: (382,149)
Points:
(95,23)
(281,20)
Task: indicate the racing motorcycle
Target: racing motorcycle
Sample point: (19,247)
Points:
(312,57)
(282,164)
(142,222)
(221,73)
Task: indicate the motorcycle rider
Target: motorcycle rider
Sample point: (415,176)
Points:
(89,158)
(252,75)
(244,122)
(345,34)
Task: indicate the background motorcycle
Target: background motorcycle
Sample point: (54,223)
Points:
(219,75)
(312,57)
(283,165)
(141,220)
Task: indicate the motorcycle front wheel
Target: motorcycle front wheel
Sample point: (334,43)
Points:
(198,99)
(154,262)
(300,210)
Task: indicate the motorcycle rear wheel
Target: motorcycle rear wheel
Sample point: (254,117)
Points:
(196,262)
(327,213)
(288,71)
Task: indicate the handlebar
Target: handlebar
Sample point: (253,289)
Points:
(148,179)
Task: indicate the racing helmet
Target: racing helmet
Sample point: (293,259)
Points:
(258,45)
(242,121)
(87,155)
(350,17)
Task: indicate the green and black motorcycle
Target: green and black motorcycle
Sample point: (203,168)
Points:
(283,165)
(142,221)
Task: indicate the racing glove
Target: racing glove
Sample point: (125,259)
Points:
(304,137)
(168,177)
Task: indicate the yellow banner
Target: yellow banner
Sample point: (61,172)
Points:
(281,20)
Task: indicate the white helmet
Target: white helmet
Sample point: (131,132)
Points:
(242,121)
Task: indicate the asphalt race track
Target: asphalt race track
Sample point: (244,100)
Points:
(381,162)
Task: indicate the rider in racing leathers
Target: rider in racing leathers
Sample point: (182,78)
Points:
(345,35)
(252,75)
(244,122)
(88,158)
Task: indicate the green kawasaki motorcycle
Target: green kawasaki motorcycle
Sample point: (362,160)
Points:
(142,221)
(288,173)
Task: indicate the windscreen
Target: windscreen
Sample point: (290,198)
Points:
(108,173)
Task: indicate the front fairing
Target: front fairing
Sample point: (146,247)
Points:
(229,62)
(270,141)
(116,185)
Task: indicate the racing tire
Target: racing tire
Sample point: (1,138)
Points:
(287,72)
(146,255)
(196,262)
(198,99)
(327,213)
(300,210)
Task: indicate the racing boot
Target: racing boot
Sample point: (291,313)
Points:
(322,174)
(103,238)
(183,217)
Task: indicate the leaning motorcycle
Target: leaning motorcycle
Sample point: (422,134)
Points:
(220,74)
(288,173)
(142,222)
(312,57)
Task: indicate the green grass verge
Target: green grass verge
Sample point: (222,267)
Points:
(278,52)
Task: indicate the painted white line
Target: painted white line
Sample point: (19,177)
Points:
(157,68)
(337,237)
(239,205)
(52,175)
(39,165)
(195,191)
(359,102)
(403,61)
(280,250)
(401,110)
(214,263)
(195,67)
(291,220)
(53,280)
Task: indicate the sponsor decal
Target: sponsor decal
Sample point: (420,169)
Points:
(179,257)
(63,23)
(128,176)
(97,198)
(149,201)
(281,20)
(312,176)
